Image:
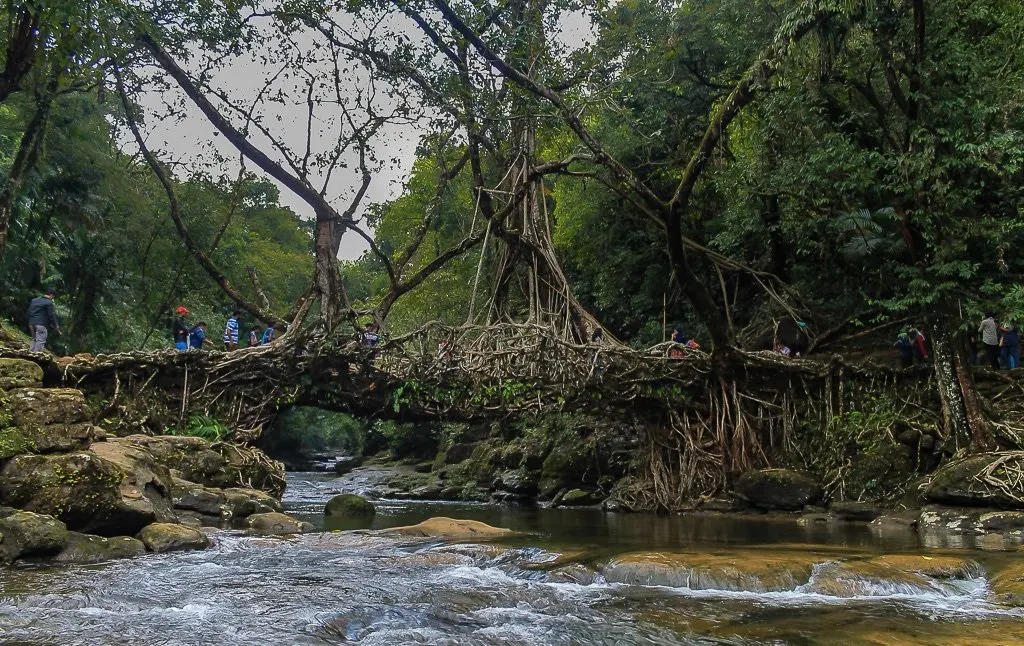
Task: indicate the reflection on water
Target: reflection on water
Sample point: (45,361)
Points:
(334,588)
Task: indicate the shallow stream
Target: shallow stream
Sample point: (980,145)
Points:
(546,587)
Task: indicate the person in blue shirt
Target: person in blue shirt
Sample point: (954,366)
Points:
(269,335)
(231,332)
(1009,346)
(197,337)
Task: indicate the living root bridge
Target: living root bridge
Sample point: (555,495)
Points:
(703,424)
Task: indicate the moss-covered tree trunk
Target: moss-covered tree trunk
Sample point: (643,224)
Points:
(962,414)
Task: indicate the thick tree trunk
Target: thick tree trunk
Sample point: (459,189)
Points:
(328,276)
(962,415)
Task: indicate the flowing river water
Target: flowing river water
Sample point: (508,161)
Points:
(358,588)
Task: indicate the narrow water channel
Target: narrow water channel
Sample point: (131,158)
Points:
(356,588)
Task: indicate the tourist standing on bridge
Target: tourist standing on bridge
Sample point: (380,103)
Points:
(180,329)
(231,332)
(254,336)
(197,337)
(1009,346)
(42,317)
(990,339)
(370,337)
(269,335)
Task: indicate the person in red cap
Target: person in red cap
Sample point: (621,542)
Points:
(179,329)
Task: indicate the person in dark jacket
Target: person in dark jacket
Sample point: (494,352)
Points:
(180,330)
(42,318)
(1009,346)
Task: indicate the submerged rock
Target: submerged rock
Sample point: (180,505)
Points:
(1008,584)
(349,504)
(891,574)
(973,481)
(862,511)
(25,534)
(171,537)
(19,373)
(87,548)
(276,523)
(741,571)
(778,489)
(450,529)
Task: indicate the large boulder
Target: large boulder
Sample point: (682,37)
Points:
(87,548)
(190,496)
(45,406)
(19,373)
(172,537)
(349,504)
(778,489)
(450,529)
(38,420)
(277,524)
(982,480)
(24,534)
(578,498)
(222,465)
(111,490)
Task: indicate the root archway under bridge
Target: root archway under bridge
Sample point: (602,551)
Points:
(704,422)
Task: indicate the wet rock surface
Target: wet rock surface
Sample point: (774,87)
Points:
(973,481)
(276,524)
(171,537)
(87,548)
(25,534)
(778,489)
(450,529)
(348,504)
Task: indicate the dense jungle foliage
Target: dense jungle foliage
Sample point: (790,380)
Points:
(869,168)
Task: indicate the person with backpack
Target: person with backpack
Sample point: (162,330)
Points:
(990,339)
(269,335)
(231,332)
(254,336)
(905,349)
(179,329)
(1009,347)
(42,317)
(197,337)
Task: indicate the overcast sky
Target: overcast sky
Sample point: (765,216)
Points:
(193,142)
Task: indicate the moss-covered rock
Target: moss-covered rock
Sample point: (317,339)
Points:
(110,490)
(778,489)
(968,482)
(567,466)
(242,502)
(450,529)
(579,498)
(31,407)
(858,511)
(87,548)
(53,438)
(277,524)
(348,504)
(19,373)
(222,466)
(172,537)
(26,534)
